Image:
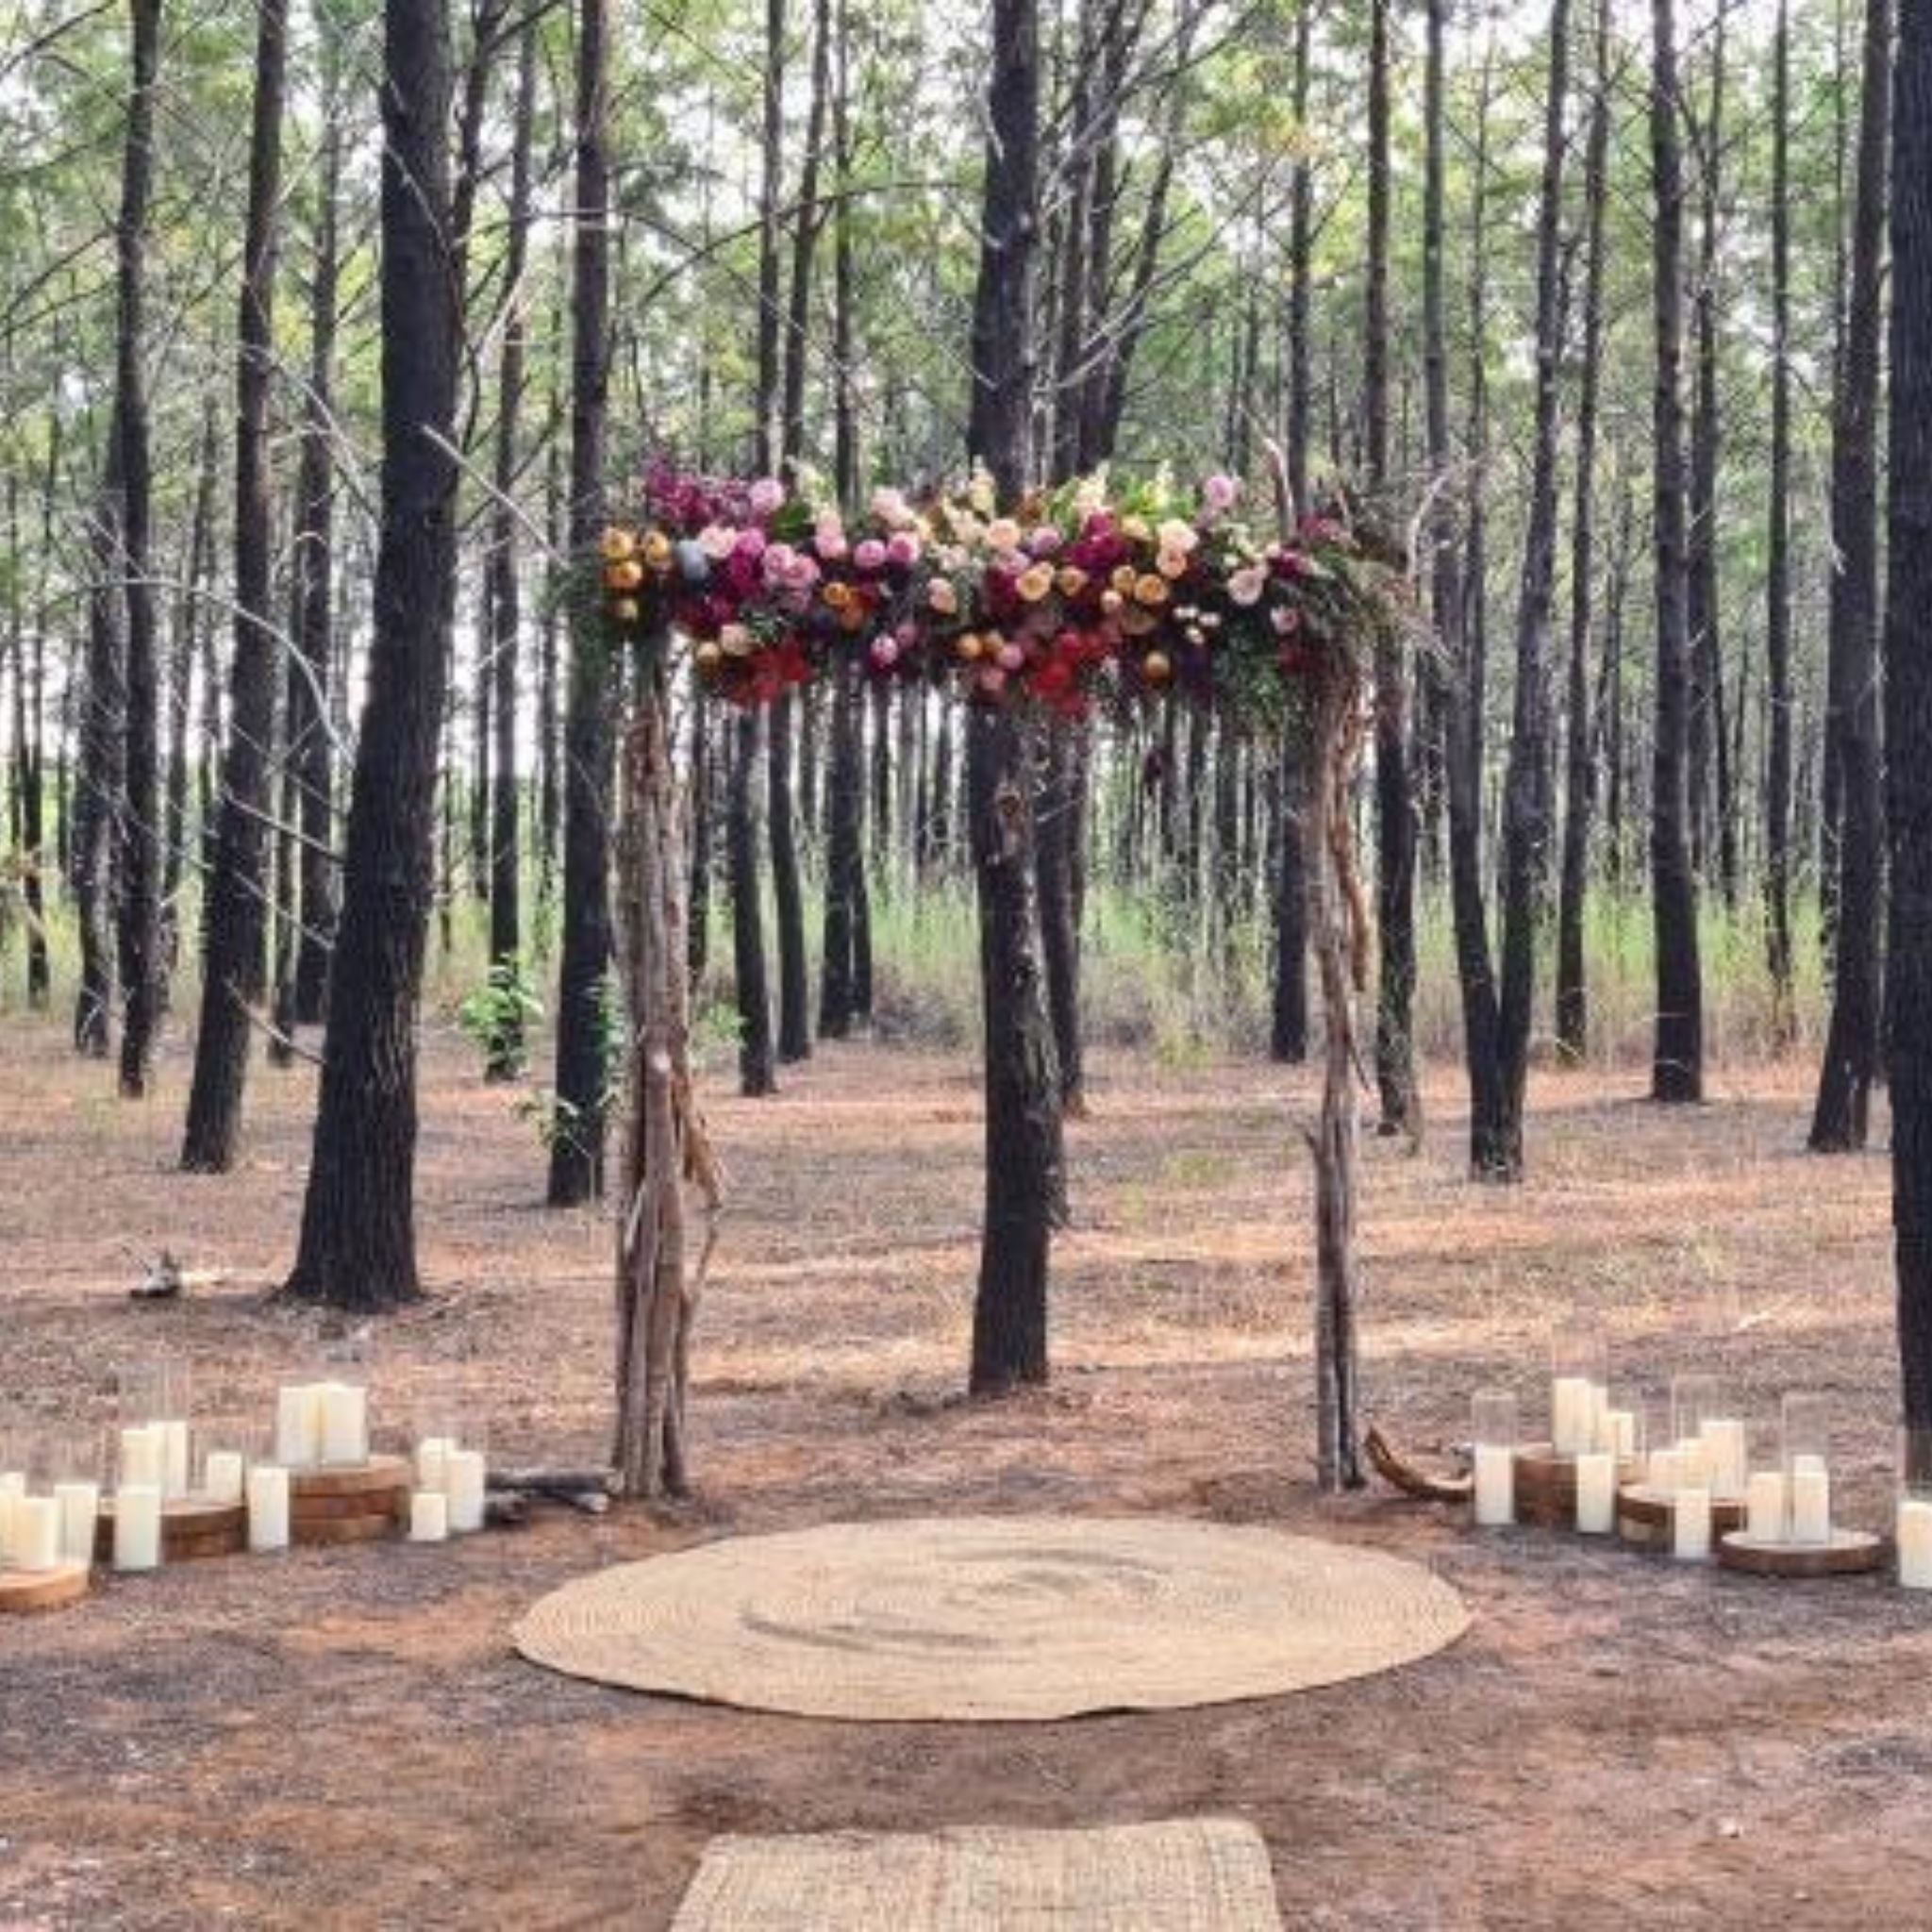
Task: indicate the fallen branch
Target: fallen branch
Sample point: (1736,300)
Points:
(1396,1470)
(586,1489)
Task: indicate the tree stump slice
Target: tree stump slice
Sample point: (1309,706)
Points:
(378,1475)
(22,1592)
(192,1528)
(1546,1486)
(333,1508)
(350,1505)
(327,1530)
(1647,1518)
(1850,1552)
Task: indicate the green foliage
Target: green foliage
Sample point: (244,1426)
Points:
(497,1017)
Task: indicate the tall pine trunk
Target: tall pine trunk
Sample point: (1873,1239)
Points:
(1024,1186)
(1777,559)
(358,1247)
(1579,759)
(1677,1061)
(1839,1121)
(141,834)
(231,954)
(1395,829)
(576,1146)
(756,1073)
(505,1058)
(1908,709)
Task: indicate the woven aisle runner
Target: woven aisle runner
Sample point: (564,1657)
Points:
(985,1618)
(1208,1875)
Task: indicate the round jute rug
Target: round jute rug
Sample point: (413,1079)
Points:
(983,1618)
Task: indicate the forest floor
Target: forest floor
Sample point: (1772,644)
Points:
(346,1738)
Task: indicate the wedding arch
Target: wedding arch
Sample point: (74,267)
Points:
(1092,594)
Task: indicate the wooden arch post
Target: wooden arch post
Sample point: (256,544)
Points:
(665,1149)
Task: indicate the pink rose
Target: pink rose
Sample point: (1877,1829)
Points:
(869,554)
(903,551)
(766,496)
(749,544)
(1011,657)
(884,653)
(1044,541)
(828,539)
(1219,493)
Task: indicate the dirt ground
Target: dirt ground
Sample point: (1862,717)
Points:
(344,1737)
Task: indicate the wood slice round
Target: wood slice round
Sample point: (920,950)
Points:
(1545,1487)
(1850,1552)
(1648,1517)
(379,1473)
(326,1530)
(334,1508)
(21,1590)
(192,1528)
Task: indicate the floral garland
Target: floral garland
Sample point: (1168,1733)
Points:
(1081,595)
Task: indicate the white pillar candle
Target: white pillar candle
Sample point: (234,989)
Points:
(344,1422)
(268,1507)
(1664,1470)
(1597,1493)
(12,1487)
(1690,1526)
(298,1425)
(222,1478)
(1764,1506)
(1723,1442)
(1495,1486)
(138,1526)
(1572,1407)
(143,1456)
(432,1453)
(429,1517)
(1811,1501)
(1621,1425)
(1915,1544)
(36,1536)
(463,1481)
(80,1512)
(1693,1464)
(174,1458)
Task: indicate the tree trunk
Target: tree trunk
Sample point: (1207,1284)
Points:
(1580,764)
(34,749)
(1527,790)
(1457,602)
(755,1057)
(197,569)
(1060,830)
(1708,752)
(505,1060)
(1839,1121)
(232,949)
(1395,1072)
(358,1247)
(1290,1032)
(1777,567)
(1677,1064)
(844,856)
(576,1146)
(315,671)
(1908,709)
(140,909)
(1023,1182)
